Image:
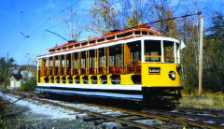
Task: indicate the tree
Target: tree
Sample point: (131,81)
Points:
(163,12)
(214,57)
(6,65)
(189,64)
(136,13)
(105,17)
(108,15)
(134,20)
(189,55)
(217,27)
(213,70)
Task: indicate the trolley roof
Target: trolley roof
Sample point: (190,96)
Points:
(108,39)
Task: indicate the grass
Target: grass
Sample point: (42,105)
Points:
(208,100)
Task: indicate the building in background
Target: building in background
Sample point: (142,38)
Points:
(15,81)
(20,75)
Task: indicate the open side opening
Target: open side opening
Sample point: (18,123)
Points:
(94,79)
(103,79)
(56,65)
(76,64)
(83,62)
(102,61)
(132,60)
(51,78)
(70,79)
(77,79)
(46,79)
(92,62)
(115,79)
(115,59)
(50,66)
(68,64)
(85,79)
(58,79)
(63,79)
(136,79)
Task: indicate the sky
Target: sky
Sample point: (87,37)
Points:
(24,23)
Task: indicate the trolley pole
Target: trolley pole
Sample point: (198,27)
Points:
(200,69)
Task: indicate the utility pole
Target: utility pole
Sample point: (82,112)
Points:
(200,69)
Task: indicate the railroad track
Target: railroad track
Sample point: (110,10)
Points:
(206,120)
(134,119)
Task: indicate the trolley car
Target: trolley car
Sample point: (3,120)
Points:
(136,64)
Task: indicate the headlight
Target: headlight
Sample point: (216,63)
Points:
(172,75)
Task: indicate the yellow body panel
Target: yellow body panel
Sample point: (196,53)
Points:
(89,80)
(148,80)
(73,79)
(42,80)
(67,79)
(109,79)
(126,79)
(55,79)
(81,79)
(61,80)
(162,79)
(51,79)
(98,79)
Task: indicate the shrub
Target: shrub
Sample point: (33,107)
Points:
(29,85)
